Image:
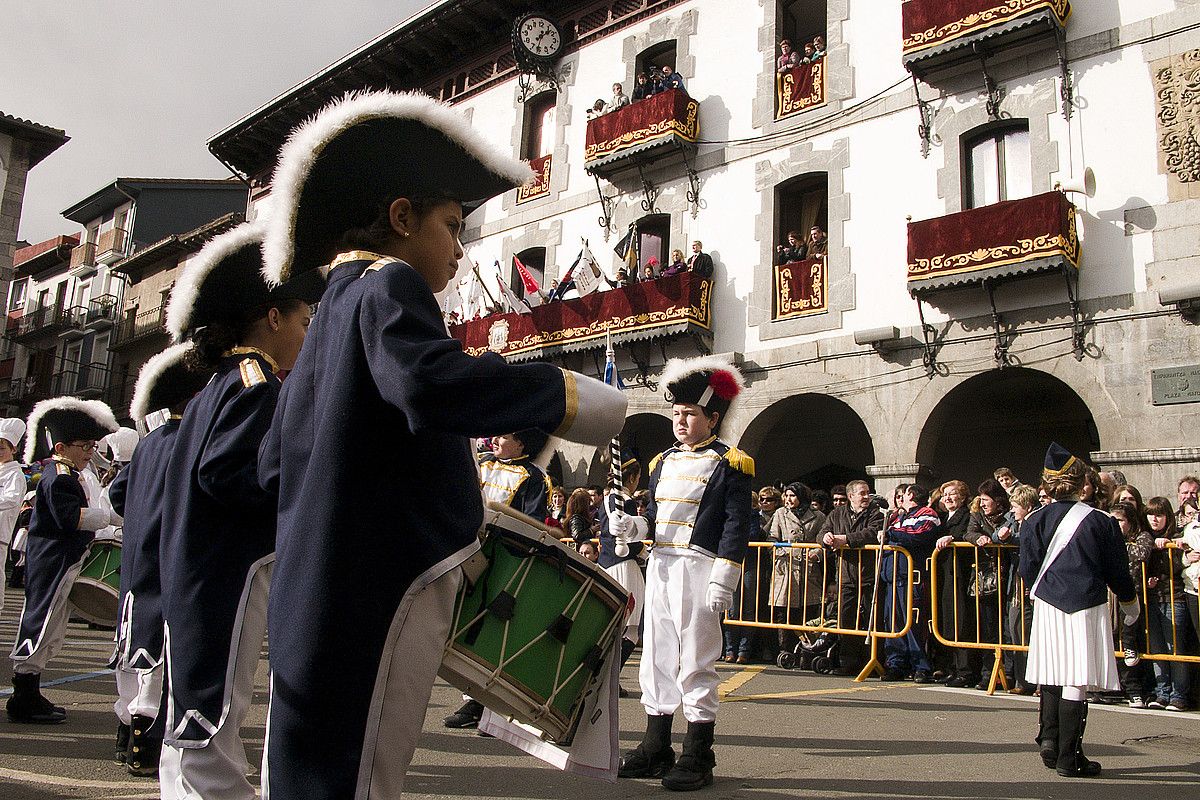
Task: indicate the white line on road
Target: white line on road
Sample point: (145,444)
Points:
(69,679)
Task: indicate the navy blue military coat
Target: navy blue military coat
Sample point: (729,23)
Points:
(1094,561)
(379,494)
(55,543)
(218,528)
(137,495)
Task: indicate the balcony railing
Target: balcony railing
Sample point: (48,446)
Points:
(41,321)
(101,311)
(800,88)
(1034,234)
(85,380)
(83,258)
(668,119)
(801,288)
(666,307)
(112,246)
(136,326)
(938,32)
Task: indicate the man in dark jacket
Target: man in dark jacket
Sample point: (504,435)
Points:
(853,525)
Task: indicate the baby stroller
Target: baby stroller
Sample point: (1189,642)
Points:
(815,650)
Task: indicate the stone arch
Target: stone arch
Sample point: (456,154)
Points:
(679,29)
(834,447)
(1003,418)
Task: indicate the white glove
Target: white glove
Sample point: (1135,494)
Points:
(719,599)
(620,525)
(115,519)
(93,519)
(1131,611)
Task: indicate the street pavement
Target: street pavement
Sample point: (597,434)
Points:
(780,734)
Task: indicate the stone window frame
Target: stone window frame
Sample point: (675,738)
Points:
(535,234)
(681,30)
(839,74)
(563,109)
(802,159)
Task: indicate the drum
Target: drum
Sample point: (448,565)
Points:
(96,592)
(531,633)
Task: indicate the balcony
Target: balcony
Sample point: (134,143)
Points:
(74,319)
(82,380)
(799,89)
(669,307)
(137,326)
(41,322)
(112,246)
(1002,240)
(539,186)
(101,312)
(941,33)
(800,289)
(639,132)
(83,260)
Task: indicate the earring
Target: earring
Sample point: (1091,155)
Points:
(404,234)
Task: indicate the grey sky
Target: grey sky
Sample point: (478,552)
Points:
(141,85)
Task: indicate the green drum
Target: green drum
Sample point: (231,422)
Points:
(532,632)
(96,592)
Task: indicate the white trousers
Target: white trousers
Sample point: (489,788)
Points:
(628,573)
(406,676)
(682,640)
(139,694)
(54,629)
(218,770)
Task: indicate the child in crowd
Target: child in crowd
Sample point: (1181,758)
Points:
(809,52)
(1169,623)
(1139,544)
(818,46)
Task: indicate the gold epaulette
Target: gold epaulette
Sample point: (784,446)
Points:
(252,372)
(654,462)
(61,468)
(740,460)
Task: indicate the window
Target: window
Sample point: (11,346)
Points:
(534,259)
(801,204)
(654,237)
(801,21)
(654,58)
(16,298)
(540,122)
(92,233)
(997,165)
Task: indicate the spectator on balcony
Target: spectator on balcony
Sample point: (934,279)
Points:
(622,279)
(597,109)
(809,51)
(649,272)
(700,262)
(818,45)
(642,87)
(619,98)
(669,79)
(788,58)
(818,243)
(794,250)
(676,266)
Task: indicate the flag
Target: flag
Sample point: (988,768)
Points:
(611,376)
(472,296)
(513,302)
(527,280)
(567,281)
(627,251)
(586,273)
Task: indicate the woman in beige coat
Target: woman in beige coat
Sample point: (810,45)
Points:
(798,577)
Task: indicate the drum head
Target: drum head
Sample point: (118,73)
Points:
(94,601)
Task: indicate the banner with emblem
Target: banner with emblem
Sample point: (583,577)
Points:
(800,288)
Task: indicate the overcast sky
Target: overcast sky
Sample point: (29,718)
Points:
(141,85)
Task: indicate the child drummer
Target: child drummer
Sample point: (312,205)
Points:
(700,518)
(60,531)
(369,550)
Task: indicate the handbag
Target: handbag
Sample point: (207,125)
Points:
(985,581)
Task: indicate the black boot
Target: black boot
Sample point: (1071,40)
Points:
(694,769)
(144,748)
(627,646)
(654,756)
(1047,737)
(466,717)
(1072,719)
(122,744)
(29,706)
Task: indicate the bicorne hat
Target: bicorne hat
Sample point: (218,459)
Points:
(65,419)
(165,382)
(338,171)
(709,382)
(1058,461)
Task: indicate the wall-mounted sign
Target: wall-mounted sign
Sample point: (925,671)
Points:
(1175,385)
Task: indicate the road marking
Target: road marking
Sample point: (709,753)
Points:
(739,679)
(87,676)
(805,693)
(52,780)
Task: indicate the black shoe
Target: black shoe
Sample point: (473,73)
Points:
(28,706)
(893,675)
(694,769)
(983,684)
(144,748)
(960,681)
(466,717)
(922,676)
(122,743)
(637,763)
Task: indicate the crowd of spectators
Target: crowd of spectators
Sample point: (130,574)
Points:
(790,57)
(655,80)
(798,248)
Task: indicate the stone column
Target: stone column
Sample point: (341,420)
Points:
(888,476)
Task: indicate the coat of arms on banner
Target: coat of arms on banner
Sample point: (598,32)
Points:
(498,335)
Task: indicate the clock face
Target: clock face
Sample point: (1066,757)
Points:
(539,36)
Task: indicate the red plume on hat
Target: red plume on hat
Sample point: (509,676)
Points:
(724,384)
(709,381)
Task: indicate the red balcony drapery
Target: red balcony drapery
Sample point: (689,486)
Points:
(539,186)
(1003,239)
(646,310)
(800,288)
(931,26)
(799,89)
(670,116)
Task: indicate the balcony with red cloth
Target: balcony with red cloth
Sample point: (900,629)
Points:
(1006,239)
(939,33)
(800,289)
(800,88)
(667,307)
(668,120)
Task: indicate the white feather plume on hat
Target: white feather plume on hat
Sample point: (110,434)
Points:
(183,299)
(99,411)
(149,376)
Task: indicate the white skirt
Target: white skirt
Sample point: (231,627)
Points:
(629,574)
(1072,649)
